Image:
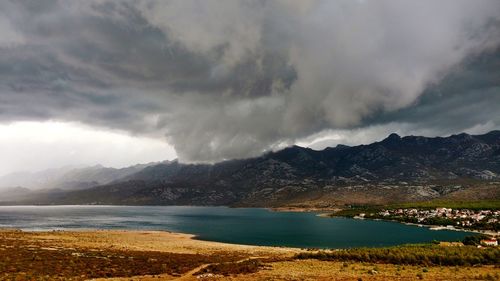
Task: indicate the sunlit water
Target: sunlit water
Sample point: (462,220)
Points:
(242,226)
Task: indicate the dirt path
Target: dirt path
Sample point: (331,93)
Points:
(190,274)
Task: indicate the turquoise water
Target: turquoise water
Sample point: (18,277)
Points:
(242,226)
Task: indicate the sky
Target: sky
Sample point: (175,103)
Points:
(124,82)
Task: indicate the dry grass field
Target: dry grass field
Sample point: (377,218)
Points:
(139,255)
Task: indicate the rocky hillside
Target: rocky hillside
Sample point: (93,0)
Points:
(394,169)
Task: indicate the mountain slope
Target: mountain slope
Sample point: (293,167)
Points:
(394,169)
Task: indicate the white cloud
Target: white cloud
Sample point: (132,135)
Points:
(481,128)
(32,146)
(374,133)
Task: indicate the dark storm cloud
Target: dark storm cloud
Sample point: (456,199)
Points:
(467,96)
(224,79)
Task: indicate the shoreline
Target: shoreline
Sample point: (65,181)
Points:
(430,226)
(182,235)
(171,238)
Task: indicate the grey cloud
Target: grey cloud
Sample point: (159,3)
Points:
(229,79)
(465,100)
(469,95)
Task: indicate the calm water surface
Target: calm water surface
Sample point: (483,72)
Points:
(241,226)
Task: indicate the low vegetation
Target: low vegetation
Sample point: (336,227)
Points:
(472,205)
(425,255)
(474,240)
(353,210)
(233,268)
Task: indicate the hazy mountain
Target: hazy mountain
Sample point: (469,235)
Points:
(14,193)
(69,178)
(33,180)
(394,169)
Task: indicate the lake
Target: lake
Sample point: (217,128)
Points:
(251,226)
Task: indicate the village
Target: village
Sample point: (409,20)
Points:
(483,220)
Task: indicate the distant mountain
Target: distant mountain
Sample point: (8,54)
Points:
(95,175)
(68,178)
(33,180)
(395,169)
(14,193)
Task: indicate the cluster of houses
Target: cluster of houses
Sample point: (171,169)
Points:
(465,218)
(462,217)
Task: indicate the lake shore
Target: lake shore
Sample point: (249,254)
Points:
(161,255)
(431,227)
(330,212)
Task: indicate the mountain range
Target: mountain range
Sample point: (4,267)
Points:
(396,169)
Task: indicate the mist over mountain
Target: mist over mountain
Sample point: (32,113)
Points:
(396,169)
(68,178)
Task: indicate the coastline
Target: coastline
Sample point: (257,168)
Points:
(433,227)
(330,213)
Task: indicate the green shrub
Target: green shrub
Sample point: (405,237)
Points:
(425,255)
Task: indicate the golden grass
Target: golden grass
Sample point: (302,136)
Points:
(173,250)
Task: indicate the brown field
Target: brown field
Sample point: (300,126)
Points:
(139,255)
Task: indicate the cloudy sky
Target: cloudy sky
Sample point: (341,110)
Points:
(122,82)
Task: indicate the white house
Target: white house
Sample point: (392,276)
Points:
(490,242)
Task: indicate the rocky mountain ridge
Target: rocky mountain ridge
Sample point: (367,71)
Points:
(397,168)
